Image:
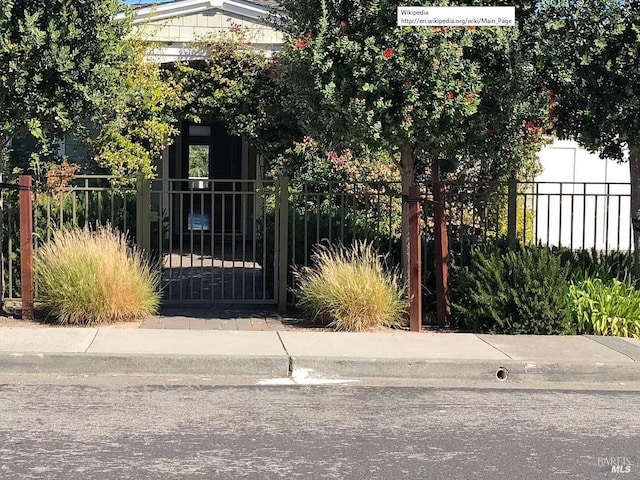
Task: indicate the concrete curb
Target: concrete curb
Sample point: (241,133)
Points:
(498,371)
(442,357)
(396,368)
(481,370)
(119,364)
(577,372)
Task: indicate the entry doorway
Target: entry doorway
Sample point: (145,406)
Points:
(209,152)
(215,236)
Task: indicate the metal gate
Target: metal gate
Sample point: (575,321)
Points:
(217,240)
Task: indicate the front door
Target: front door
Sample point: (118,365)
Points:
(209,152)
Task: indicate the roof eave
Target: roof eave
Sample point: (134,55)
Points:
(181,8)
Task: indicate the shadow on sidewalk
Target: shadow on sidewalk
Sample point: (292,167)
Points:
(218,311)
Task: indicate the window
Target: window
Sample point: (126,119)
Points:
(198,161)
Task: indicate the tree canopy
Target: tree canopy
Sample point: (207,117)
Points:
(469,94)
(589,53)
(58,57)
(463,92)
(143,104)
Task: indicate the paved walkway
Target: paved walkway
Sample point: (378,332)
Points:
(215,318)
(187,323)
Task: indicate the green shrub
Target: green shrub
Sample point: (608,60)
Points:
(587,264)
(516,292)
(348,289)
(605,308)
(90,277)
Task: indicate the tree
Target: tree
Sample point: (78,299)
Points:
(57,58)
(308,161)
(589,52)
(430,93)
(230,84)
(143,109)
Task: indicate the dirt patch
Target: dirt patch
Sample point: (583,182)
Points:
(11,318)
(7,321)
(304,325)
(10,321)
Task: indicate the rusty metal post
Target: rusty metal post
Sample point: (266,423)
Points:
(26,247)
(512,213)
(415,263)
(442,248)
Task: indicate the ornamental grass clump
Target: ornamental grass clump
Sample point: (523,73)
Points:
(88,277)
(348,289)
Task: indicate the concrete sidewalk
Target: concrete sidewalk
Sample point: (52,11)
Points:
(278,354)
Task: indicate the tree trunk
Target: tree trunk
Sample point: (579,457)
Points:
(634,170)
(407,174)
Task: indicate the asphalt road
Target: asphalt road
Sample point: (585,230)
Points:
(120,431)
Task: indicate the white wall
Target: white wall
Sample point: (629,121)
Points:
(583,201)
(566,161)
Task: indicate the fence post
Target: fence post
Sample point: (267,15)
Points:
(143,208)
(26,246)
(415,262)
(512,206)
(282,231)
(441,237)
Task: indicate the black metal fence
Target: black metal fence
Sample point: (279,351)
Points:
(79,201)
(10,224)
(573,215)
(335,212)
(216,240)
(270,225)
